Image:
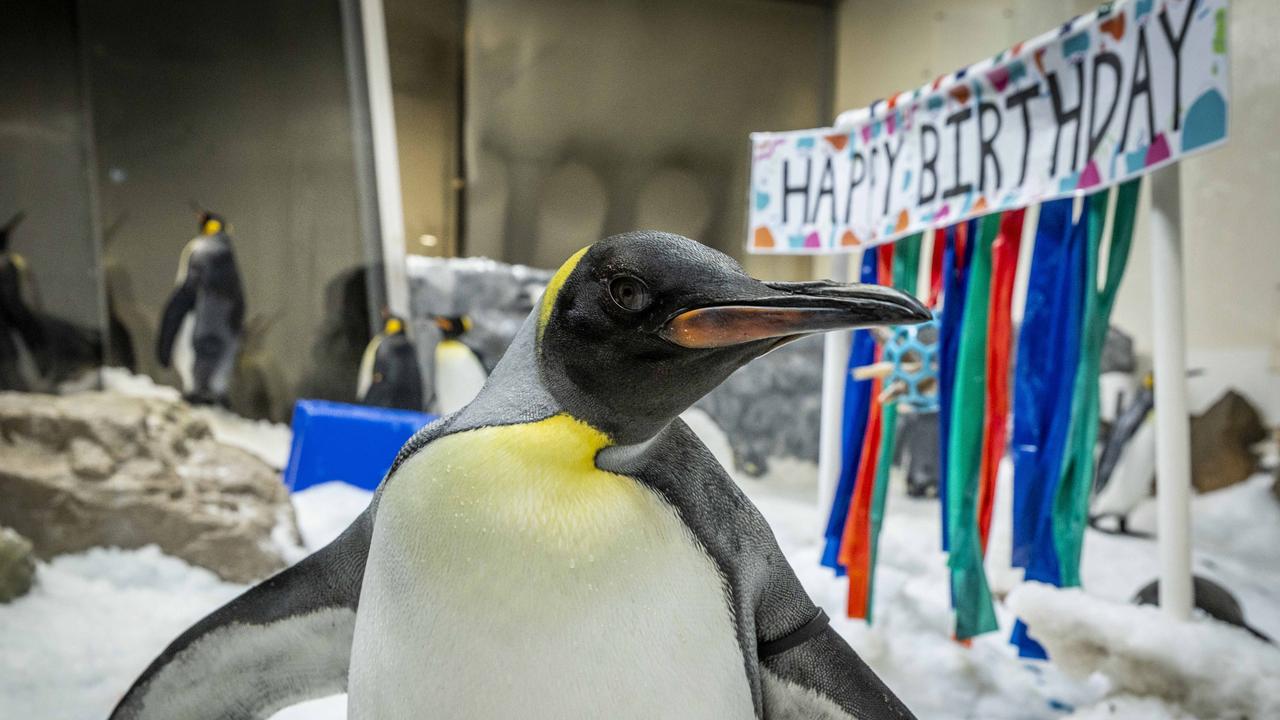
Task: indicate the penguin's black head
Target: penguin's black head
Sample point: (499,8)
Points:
(452,328)
(209,223)
(634,329)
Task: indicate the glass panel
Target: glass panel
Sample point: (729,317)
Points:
(242,108)
(50,301)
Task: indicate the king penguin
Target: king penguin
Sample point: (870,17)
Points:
(459,374)
(389,373)
(564,546)
(22,336)
(203,319)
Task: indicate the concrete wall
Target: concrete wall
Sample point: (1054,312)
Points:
(588,118)
(1230,215)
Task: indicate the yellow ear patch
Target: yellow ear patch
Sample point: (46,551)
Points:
(553,289)
(212,227)
(393,326)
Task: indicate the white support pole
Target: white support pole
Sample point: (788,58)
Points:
(386,158)
(835,361)
(1173,449)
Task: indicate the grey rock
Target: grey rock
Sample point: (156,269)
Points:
(495,295)
(771,407)
(1222,441)
(90,460)
(1117,352)
(17,566)
(105,469)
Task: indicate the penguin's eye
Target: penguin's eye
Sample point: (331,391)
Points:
(630,293)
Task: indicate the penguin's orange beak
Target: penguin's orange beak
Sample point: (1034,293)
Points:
(794,310)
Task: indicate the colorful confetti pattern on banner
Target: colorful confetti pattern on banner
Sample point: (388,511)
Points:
(1104,98)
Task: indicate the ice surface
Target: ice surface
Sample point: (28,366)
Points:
(95,619)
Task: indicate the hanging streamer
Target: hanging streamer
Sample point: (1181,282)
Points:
(935,266)
(1046,380)
(954,274)
(857,401)
(1004,267)
(906,270)
(855,553)
(1043,361)
(1071,507)
(975,613)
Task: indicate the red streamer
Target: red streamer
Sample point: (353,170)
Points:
(1004,268)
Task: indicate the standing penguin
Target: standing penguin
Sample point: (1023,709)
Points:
(202,321)
(459,374)
(21,331)
(564,546)
(389,373)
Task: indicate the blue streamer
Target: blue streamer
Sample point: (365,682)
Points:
(1044,381)
(955,278)
(857,404)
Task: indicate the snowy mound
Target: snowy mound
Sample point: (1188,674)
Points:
(1210,668)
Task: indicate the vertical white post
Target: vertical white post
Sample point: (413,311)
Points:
(1173,449)
(835,361)
(386,158)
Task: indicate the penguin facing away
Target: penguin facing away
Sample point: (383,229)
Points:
(203,319)
(389,374)
(459,373)
(564,546)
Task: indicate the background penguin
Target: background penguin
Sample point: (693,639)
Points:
(201,325)
(21,332)
(389,374)
(459,373)
(564,546)
(39,351)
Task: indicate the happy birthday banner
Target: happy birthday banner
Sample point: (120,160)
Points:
(1109,96)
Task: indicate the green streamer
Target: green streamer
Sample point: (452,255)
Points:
(974,612)
(906,270)
(1071,503)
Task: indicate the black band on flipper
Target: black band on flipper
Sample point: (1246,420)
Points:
(793,639)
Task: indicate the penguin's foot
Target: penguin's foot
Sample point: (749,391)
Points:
(202,397)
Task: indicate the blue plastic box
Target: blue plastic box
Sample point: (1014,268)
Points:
(355,444)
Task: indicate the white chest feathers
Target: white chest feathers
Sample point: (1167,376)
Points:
(509,577)
(459,376)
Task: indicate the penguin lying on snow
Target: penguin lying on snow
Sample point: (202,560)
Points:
(564,546)
(204,317)
(459,374)
(389,373)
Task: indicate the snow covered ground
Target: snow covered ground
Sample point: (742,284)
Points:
(95,619)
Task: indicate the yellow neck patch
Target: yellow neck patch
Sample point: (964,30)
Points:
(530,481)
(553,289)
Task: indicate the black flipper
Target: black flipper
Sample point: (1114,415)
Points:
(14,311)
(822,678)
(180,303)
(283,642)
